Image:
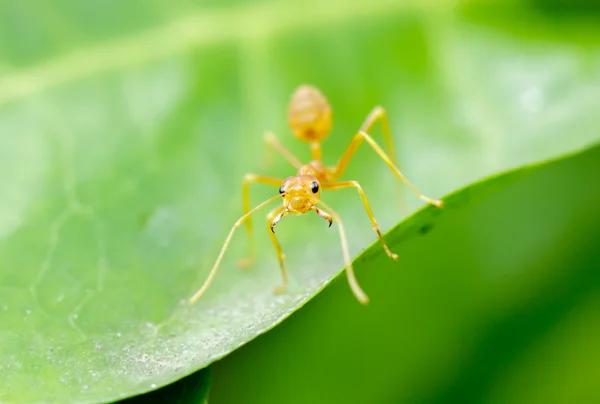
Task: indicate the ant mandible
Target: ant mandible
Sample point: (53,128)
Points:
(309,117)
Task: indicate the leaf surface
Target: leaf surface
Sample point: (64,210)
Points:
(125,130)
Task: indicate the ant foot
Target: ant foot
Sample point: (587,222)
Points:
(435,202)
(279,289)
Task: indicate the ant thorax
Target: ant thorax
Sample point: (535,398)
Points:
(316,168)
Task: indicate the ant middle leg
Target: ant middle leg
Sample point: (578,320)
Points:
(355,184)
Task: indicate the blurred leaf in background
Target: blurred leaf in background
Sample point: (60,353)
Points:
(125,130)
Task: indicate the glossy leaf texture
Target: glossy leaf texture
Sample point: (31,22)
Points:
(125,130)
(495,301)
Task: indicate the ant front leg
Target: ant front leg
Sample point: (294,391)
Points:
(272,219)
(249,178)
(347,156)
(354,286)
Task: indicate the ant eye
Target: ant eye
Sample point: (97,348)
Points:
(281,189)
(314,187)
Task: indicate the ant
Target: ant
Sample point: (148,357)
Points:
(310,118)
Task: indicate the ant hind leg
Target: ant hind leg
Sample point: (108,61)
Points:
(349,153)
(272,141)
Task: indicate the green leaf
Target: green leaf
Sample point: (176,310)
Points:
(193,389)
(125,130)
(495,300)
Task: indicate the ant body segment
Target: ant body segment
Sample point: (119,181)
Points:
(310,118)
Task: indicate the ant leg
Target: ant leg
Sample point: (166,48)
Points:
(213,271)
(271,140)
(248,178)
(356,141)
(272,219)
(355,184)
(378,113)
(354,286)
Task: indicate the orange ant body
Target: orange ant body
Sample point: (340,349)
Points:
(310,119)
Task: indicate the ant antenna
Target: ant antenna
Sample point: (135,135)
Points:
(213,271)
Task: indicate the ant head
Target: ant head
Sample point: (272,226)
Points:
(300,193)
(309,114)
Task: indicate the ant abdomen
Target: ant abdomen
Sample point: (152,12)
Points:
(309,114)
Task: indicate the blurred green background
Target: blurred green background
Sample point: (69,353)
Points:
(125,130)
(486,308)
